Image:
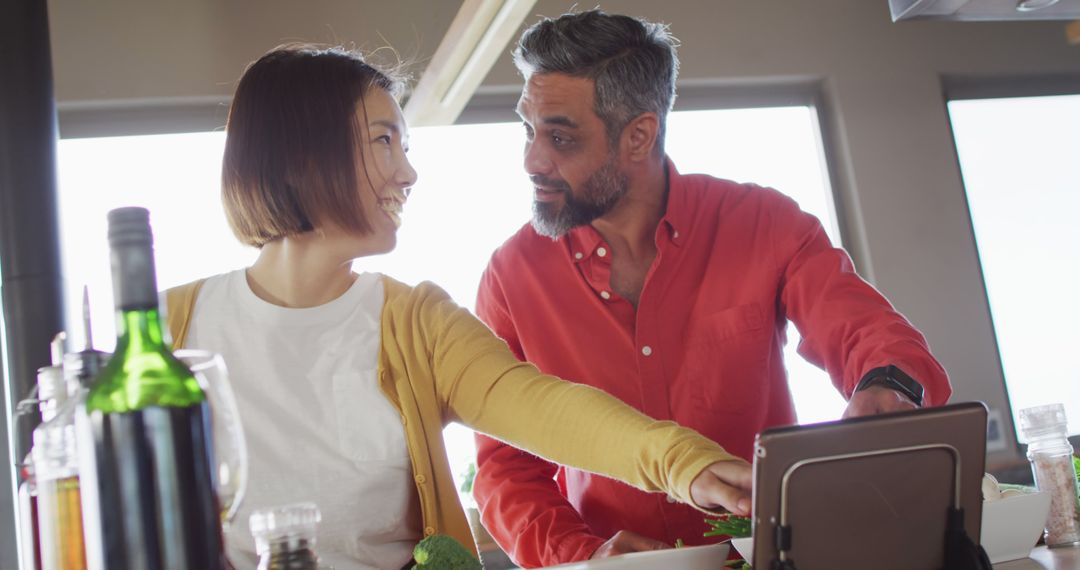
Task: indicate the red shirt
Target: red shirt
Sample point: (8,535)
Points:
(703,347)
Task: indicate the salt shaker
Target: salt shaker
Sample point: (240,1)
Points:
(1051,461)
(285,537)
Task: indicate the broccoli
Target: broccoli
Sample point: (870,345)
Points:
(440,552)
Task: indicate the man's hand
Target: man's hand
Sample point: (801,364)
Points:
(877,400)
(625,542)
(725,484)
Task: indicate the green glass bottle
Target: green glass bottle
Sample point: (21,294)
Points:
(151,457)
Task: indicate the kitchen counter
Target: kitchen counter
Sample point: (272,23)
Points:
(1067,558)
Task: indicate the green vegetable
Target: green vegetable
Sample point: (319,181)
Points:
(735,527)
(440,552)
(729,525)
(679,543)
(467,479)
(1076,466)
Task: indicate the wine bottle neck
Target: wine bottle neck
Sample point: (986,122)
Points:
(139,331)
(142,371)
(134,279)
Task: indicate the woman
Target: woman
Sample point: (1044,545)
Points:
(344,380)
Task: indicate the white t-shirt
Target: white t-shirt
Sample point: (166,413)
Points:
(318,427)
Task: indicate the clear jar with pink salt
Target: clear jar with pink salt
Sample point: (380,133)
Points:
(1051,461)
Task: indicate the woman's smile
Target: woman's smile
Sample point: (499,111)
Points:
(393,204)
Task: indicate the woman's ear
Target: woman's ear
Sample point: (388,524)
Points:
(639,136)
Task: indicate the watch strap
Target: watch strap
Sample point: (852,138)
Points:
(894,378)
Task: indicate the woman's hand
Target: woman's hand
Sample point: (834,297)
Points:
(625,542)
(724,484)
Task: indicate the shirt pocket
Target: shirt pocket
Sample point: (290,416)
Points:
(369,427)
(726,360)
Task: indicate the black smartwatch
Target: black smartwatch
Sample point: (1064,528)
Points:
(893,378)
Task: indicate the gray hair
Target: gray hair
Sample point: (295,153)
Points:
(631,62)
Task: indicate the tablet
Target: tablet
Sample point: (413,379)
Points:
(868,492)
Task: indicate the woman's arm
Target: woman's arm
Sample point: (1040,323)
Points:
(483,385)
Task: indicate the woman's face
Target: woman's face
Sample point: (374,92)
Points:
(384,174)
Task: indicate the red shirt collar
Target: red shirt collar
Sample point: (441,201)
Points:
(584,240)
(676,217)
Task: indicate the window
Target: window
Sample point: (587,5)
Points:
(1019,159)
(470,196)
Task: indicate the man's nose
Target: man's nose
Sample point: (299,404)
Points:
(536,159)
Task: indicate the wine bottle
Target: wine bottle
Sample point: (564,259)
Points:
(147,475)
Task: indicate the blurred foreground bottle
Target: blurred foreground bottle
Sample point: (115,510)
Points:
(1051,460)
(60,528)
(55,459)
(48,397)
(285,537)
(146,456)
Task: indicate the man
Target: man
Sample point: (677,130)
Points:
(668,291)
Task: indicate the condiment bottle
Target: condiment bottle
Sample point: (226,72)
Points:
(51,395)
(1051,460)
(285,537)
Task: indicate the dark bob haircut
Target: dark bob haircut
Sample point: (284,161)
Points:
(292,149)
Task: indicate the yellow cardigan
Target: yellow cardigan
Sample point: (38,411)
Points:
(439,364)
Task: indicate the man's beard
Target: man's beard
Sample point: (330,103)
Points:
(600,193)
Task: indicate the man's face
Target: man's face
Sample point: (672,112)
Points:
(574,171)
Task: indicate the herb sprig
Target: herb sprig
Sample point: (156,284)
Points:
(729,525)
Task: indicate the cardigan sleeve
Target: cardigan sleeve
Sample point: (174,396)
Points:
(483,385)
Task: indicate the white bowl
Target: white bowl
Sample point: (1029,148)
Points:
(708,557)
(745,547)
(1011,526)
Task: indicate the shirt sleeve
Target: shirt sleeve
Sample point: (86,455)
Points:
(520,503)
(848,327)
(484,386)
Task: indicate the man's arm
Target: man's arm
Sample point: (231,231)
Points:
(523,510)
(848,327)
(520,502)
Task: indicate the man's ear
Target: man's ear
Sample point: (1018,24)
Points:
(639,136)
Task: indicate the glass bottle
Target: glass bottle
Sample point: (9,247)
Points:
(147,462)
(285,537)
(60,528)
(1051,461)
(29,545)
(55,462)
(50,395)
(80,368)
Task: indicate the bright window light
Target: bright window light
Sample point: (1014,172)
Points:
(1020,159)
(470,196)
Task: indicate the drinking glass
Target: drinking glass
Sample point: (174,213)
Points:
(230,449)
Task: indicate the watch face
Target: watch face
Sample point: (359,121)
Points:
(914,396)
(909,383)
(893,378)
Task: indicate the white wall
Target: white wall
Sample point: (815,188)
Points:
(894,163)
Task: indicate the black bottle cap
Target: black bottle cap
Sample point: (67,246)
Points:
(132,259)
